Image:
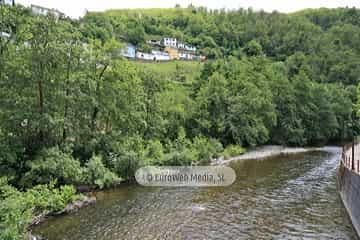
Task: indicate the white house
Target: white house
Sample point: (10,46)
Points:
(161,56)
(170,42)
(4,34)
(8,2)
(45,11)
(183,56)
(153,56)
(181,45)
(184,46)
(145,56)
(190,48)
(129,51)
(153,42)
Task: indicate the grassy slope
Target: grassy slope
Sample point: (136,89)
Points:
(190,69)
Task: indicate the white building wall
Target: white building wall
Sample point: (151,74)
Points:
(7,2)
(153,56)
(4,34)
(145,56)
(38,10)
(181,45)
(162,58)
(170,42)
(44,11)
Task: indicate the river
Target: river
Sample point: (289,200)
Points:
(284,197)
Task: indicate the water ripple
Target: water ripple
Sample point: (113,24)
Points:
(288,197)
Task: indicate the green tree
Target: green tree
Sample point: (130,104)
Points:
(212,106)
(253,48)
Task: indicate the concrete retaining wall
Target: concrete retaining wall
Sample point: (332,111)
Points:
(349,188)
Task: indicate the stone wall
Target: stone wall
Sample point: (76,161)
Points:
(349,188)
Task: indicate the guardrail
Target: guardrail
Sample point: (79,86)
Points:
(350,157)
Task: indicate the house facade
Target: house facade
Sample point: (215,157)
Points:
(153,56)
(7,2)
(38,10)
(186,47)
(186,56)
(161,56)
(190,48)
(129,51)
(4,35)
(173,53)
(145,56)
(154,42)
(181,45)
(170,42)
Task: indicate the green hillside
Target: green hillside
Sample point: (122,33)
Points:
(182,70)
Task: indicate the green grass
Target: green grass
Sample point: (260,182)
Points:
(188,69)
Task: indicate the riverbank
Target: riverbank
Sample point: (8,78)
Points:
(261,152)
(70,208)
(264,152)
(289,197)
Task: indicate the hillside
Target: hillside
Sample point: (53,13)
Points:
(184,71)
(218,34)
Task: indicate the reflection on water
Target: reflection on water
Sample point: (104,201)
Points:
(289,197)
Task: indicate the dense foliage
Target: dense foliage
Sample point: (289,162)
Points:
(18,209)
(73,110)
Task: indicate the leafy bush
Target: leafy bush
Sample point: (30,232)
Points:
(15,212)
(97,173)
(48,198)
(68,194)
(154,152)
(126,163)
(232,151)
(129,155)
(206,149)
(53,164)
(184,157)
(199,151)
(17,209)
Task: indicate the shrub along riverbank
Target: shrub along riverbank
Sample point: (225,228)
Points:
(18,209)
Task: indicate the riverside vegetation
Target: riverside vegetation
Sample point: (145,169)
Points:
(74,112)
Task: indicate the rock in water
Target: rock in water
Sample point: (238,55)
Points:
(73,207)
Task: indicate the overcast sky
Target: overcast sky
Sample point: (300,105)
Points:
(76,8)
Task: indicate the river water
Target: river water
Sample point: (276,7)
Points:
(287,197)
